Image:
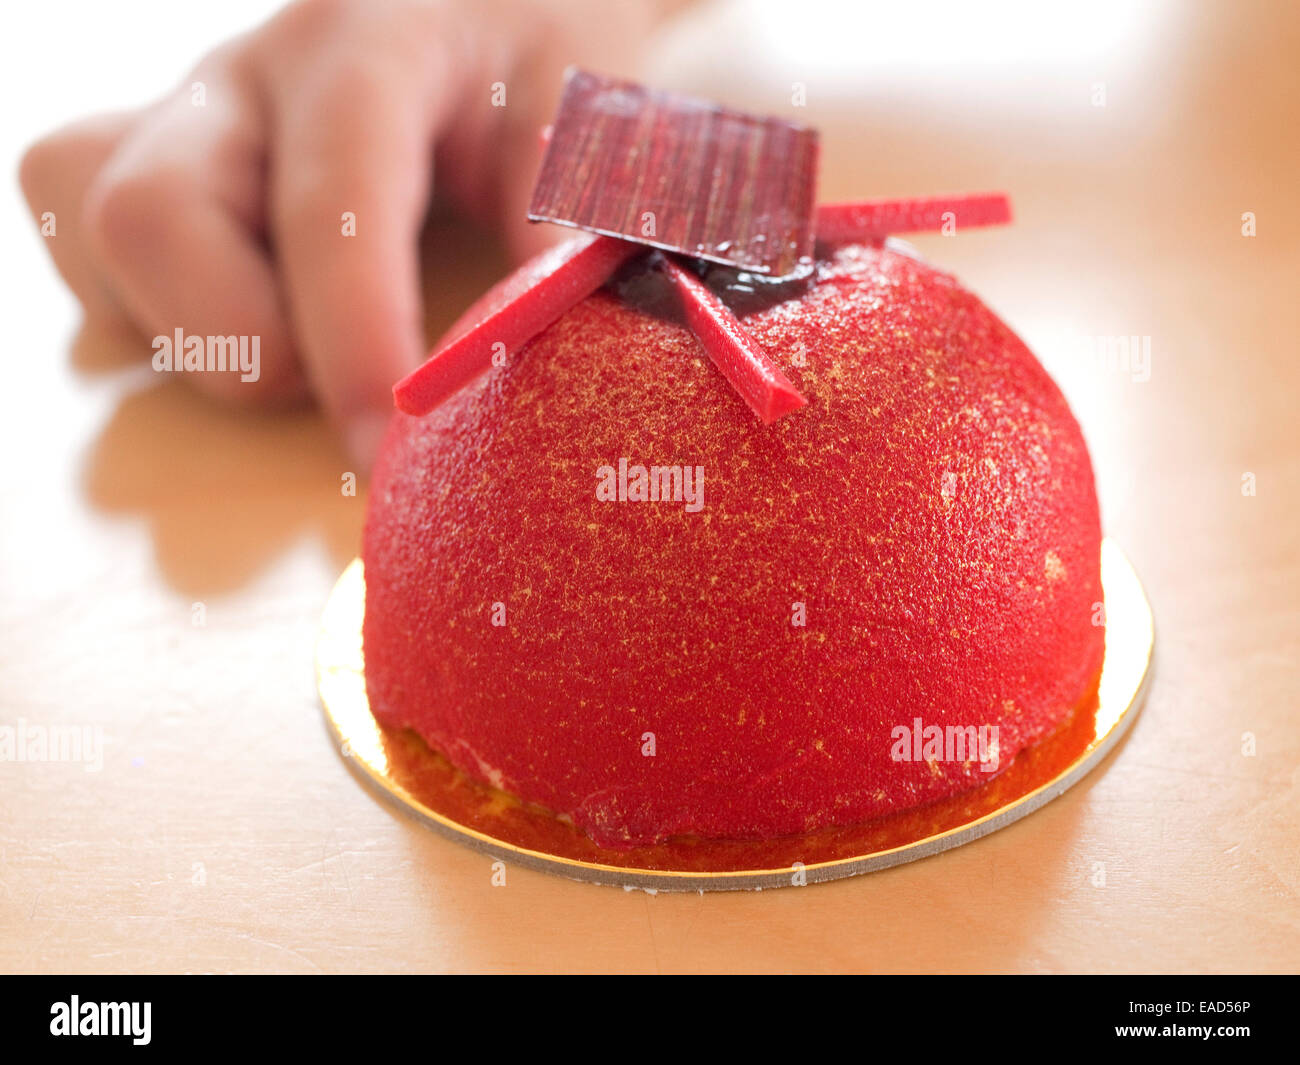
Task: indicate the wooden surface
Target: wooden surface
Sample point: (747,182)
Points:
(224,833)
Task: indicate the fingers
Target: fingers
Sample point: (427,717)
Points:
(287,205)
(55,174)
(175,219)
(350,181)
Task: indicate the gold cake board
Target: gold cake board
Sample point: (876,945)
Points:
(424,785)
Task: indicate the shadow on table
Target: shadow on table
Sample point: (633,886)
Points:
(225,491)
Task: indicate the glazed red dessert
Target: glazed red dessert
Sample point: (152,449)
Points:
(637,666)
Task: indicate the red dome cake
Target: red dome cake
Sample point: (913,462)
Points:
(730,645)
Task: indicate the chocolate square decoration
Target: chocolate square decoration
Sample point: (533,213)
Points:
(680,174)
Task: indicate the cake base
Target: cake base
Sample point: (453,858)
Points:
(407,772)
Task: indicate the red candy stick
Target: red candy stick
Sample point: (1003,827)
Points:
(841,223)
(531,301)
(747,366)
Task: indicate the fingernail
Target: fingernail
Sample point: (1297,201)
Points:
(363,434)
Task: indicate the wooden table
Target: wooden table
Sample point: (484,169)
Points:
(224,833)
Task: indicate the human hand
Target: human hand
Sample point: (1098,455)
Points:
(222,209)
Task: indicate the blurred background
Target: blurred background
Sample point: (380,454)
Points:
(223,833)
